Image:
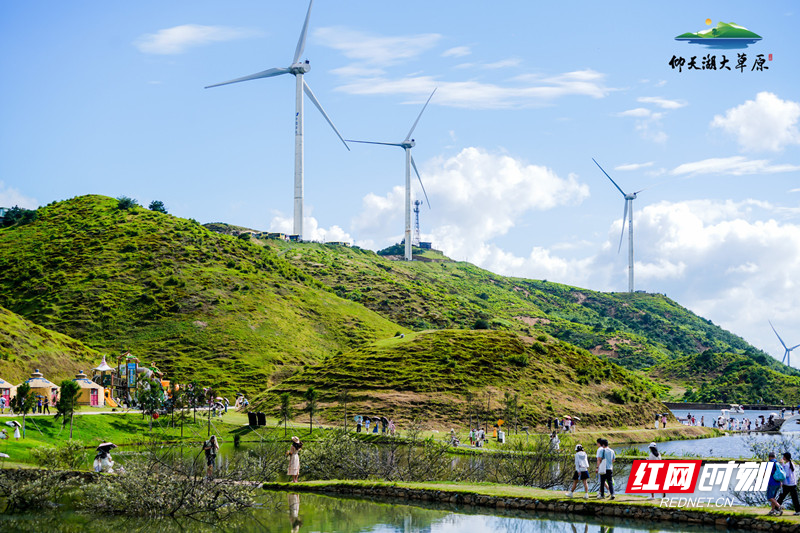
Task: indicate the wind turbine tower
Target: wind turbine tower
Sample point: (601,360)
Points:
(788,350)
(417,237)
(627,213)
(407,144)
(298,69)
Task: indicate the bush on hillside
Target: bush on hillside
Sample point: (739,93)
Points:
(481,324)
(157,206)
(126,203)
(20,216)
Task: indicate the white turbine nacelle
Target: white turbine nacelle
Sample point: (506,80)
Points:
(300,68)
(408,144)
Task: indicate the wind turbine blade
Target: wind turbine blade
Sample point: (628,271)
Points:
(624,219)
(373,142)
(609,177)
(258,75)
(301,43)
(776,333)
(793,347)
(413,164)
(419,116)
(324,114)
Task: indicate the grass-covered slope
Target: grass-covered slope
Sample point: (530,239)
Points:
(24,346)
(636,330)
(427,375)
(201,304)
(728,378)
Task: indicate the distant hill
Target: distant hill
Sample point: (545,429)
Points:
(201,304)
(427,376)
(635,330)
(24,347)
(723,30)
(727,378)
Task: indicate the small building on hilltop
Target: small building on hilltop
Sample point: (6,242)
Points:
(91,393)
(42,387)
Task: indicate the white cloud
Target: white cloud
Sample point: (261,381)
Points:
(10,197)
(457,51)
(503,63)
(375,49)
(634,166)
(764,124)
(735,165)
(476,196)
(639,112)
(178,39)
(473,94)
(311,229)
(663,103)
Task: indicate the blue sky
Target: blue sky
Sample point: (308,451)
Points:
(108,98)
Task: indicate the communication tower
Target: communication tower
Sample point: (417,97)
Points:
(415,240)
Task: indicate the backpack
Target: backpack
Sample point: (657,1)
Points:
(778,474)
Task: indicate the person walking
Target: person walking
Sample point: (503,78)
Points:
(555,442)
(294,459)
(655,455)
(658,417)
(2,404)
(210,448)
(581,472)
(47,406)
(774,485)
(664,420)
(605,467)
(790,483)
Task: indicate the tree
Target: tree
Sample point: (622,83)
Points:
(311,397)
(67,397)
(481,323)
(19,215)
(150,397)
(23,402)
(286,411)
(126,203)
(512,404)
(157,206)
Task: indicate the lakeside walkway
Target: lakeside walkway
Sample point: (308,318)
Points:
(537,501)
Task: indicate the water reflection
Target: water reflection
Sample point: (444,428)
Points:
(281,512)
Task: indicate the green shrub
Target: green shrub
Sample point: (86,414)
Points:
(481,324)
(539,348)
(68,456)
(157,206)
(126,203)
(519,359)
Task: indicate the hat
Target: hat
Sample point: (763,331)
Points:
(295,440)
(578,447)
(652,444)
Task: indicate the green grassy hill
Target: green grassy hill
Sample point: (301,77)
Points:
(24,346)
(202,305)
(635,330)
(727,378)
(429,375)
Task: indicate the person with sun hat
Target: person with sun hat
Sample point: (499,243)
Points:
(294,459)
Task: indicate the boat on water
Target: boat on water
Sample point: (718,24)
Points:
(735,408)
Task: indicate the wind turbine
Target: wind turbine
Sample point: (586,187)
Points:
(788,350)
(298,69)
(629,198)
(407,144)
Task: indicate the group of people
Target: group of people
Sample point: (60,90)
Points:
(566,424)
(477,437)
(604,456)
(661,417)
(691,420)
(380,425)
(784,476)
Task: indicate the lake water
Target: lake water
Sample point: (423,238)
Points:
(287,512)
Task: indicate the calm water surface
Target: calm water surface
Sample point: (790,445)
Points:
(287,512)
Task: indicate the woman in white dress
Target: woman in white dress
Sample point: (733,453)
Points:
(294,459)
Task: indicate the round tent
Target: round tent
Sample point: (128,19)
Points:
(91,393)
(41,386)
(7,390)
(104,374)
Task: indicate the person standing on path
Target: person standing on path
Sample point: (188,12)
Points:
(774,486)
(47,406)
(658,416)
(581,471)
(605,467)
(664,420)
(210,448)
(655,455)
(294,459)
(790,483)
